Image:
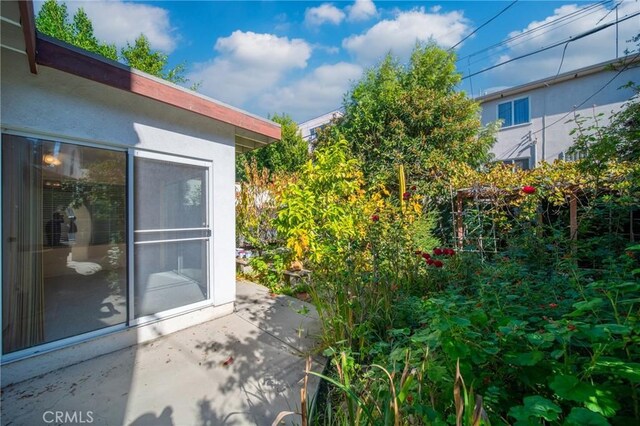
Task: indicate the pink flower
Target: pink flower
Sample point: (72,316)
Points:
(553,305)
(528,189)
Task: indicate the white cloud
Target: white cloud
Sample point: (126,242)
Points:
(592,49)
(361,10)
(400,35)
(325,13)
(316,93)
(248,64)
(120,22)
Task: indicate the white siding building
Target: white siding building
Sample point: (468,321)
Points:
(535,115)
(117,202)
(310,128)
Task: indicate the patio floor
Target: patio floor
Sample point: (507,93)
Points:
(182,379)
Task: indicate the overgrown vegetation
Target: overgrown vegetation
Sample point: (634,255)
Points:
(422,327)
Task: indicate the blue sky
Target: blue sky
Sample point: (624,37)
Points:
(300,57)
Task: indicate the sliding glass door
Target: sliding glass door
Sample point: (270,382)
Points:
(64,246)
(172,233)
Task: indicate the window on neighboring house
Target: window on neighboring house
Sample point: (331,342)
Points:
(514,112)
(518,163)
(573,156)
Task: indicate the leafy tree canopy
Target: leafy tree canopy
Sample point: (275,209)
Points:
(412,115)
(286,155)
(53,20)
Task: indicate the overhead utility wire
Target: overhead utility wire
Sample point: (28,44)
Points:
(483,25)
(532,37)
(538,28)
(578,37)
(627,65)
(609,12)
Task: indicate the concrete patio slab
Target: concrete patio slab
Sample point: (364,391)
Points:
(244,368)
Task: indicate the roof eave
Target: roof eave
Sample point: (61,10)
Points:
(592,69)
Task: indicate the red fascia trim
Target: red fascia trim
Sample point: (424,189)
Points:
(28,23)
(73,62)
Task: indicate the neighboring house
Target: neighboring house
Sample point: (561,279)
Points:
(117,202)
(536,116)
(309,129)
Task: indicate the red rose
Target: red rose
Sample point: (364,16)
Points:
(437,251)
(430,262)
(450,252)
(426,256)
(406,196)
(528,189)
(375,218)
(438,264)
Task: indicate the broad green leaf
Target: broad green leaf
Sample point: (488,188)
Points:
(535,406)
(627,370)
(603,402)
(569,387)
(584,417)
(525,359)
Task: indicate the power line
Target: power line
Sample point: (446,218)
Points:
(556,21)
(570,39)
(483,25)
(575,18)
(631,61)
(609,12)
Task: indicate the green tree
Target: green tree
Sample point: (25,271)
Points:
(413,115)
(53,20)
(286,155)
(141,56)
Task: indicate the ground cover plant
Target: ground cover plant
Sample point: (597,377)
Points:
(420,326)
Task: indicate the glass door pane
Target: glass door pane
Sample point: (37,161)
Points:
(172,235)
(64,247)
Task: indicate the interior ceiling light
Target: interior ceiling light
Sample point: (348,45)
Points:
(51,160)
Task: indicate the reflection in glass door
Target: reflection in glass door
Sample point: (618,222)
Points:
(172,234)
(64,249)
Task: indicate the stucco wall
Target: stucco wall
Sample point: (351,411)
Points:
(55,105)
(547,135)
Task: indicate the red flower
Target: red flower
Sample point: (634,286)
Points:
(438,264)
(430,261)
(426,256)
(437,251)
(553,305)
(528,189)
(406,196)
(450,252)
(375,218)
